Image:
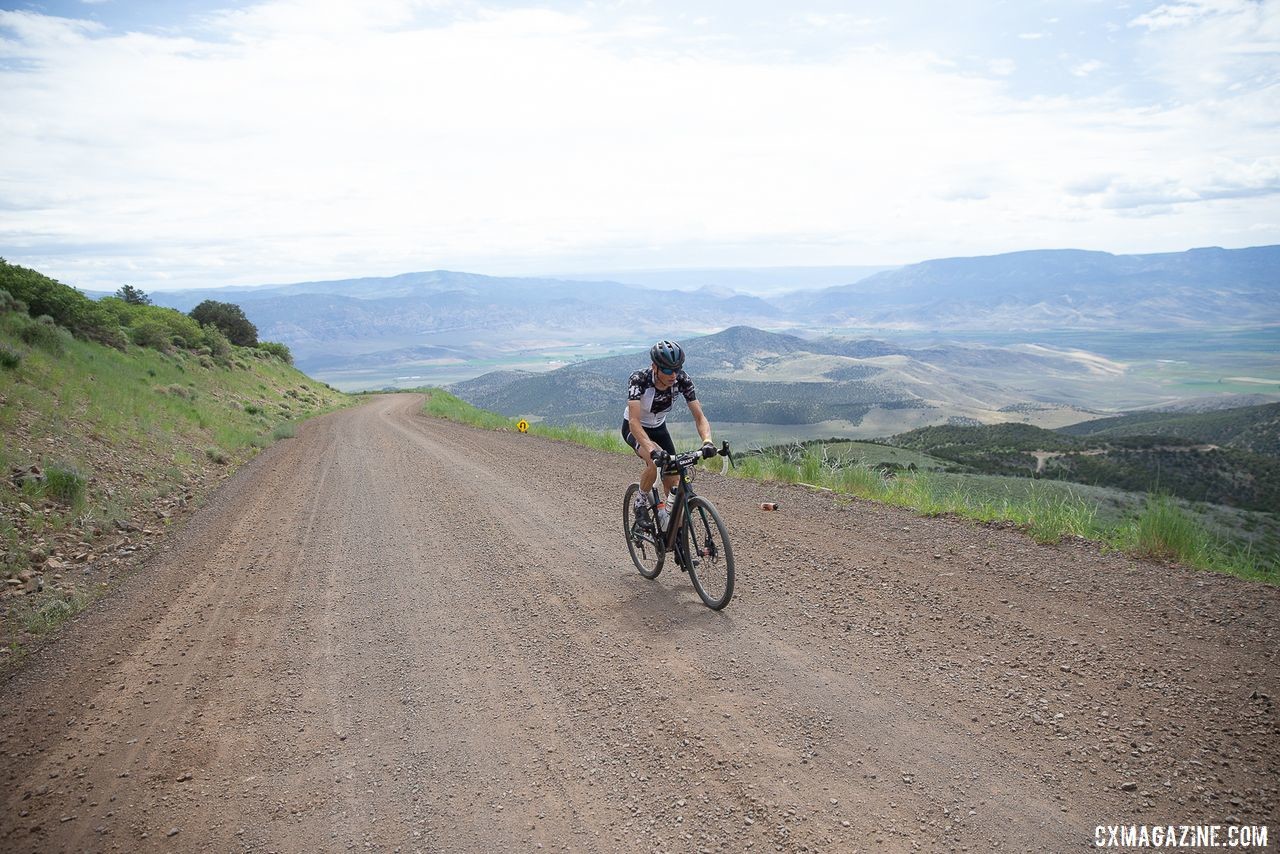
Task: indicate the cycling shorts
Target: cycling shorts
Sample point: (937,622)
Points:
(658,435)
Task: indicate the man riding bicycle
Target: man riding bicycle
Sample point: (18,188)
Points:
(644,426)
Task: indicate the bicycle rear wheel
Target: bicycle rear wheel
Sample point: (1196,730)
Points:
(646,550)
(706,553)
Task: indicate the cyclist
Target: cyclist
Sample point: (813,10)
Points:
(644,424)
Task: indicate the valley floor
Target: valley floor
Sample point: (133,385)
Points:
(399,633)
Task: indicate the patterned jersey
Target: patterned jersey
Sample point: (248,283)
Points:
(655,404)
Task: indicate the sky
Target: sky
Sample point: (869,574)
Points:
(196,143)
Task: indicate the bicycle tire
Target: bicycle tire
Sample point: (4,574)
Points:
(707,554)
(646,549)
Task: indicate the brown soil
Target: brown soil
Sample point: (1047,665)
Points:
(397,633)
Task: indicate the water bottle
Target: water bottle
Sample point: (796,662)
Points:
(664,514)
(667,506)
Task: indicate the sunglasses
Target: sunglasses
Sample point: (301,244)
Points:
(665,372)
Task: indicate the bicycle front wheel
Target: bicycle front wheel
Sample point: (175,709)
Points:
(706,553)
(646,549)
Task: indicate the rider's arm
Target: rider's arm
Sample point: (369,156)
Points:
(635,412)
(699,420)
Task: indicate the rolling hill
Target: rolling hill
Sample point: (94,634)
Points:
(1252,428)
(1229,457)
(747,375)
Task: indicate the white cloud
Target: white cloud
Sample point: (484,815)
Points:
(1084,69)
(1202,47)
(1203,181)
(1181,14)
(34,33)
(297,140)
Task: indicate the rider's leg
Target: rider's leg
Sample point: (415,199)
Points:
(649,477)
(650,473)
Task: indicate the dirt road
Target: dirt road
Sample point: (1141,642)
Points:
(394,633)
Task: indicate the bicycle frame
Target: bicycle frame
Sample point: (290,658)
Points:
(683,492)
(680,465)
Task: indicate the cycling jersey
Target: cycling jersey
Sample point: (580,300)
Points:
(655,403)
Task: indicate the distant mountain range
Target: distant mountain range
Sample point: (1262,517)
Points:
(385,322)
(1061,289)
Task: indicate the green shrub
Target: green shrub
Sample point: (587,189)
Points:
(284,431)
(8,303)
(183,331)
(57,609)
(178,390)
(252,408)
(110,336)
(219,347)
(43,333)
(151,333)
(45,296)
(217,455)
(65,483)
(120,311)
(9,358)
(275,348)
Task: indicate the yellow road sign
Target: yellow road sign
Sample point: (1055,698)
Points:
(522,426)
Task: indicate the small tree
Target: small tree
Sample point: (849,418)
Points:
(133,295)
(228,317)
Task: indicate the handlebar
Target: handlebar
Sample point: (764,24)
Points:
(674,464)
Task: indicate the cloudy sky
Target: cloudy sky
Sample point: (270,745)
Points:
(196,142)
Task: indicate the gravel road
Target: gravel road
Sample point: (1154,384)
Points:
(394,633)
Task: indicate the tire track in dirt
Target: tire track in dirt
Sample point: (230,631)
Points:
(398,633)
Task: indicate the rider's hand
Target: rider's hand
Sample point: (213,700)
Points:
(659,456)
(709,449)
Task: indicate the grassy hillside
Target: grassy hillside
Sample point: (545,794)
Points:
(103,442)
(1183,465)
(1251,428)
(841,452)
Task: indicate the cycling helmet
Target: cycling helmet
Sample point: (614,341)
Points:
(667,354)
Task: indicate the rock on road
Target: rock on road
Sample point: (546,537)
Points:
(395,633)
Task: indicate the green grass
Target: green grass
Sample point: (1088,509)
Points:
(1048,511)
(441,404)
(65,484)
(1150,526)
(41,616)
(875,454)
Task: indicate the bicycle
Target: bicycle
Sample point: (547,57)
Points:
(701,545)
